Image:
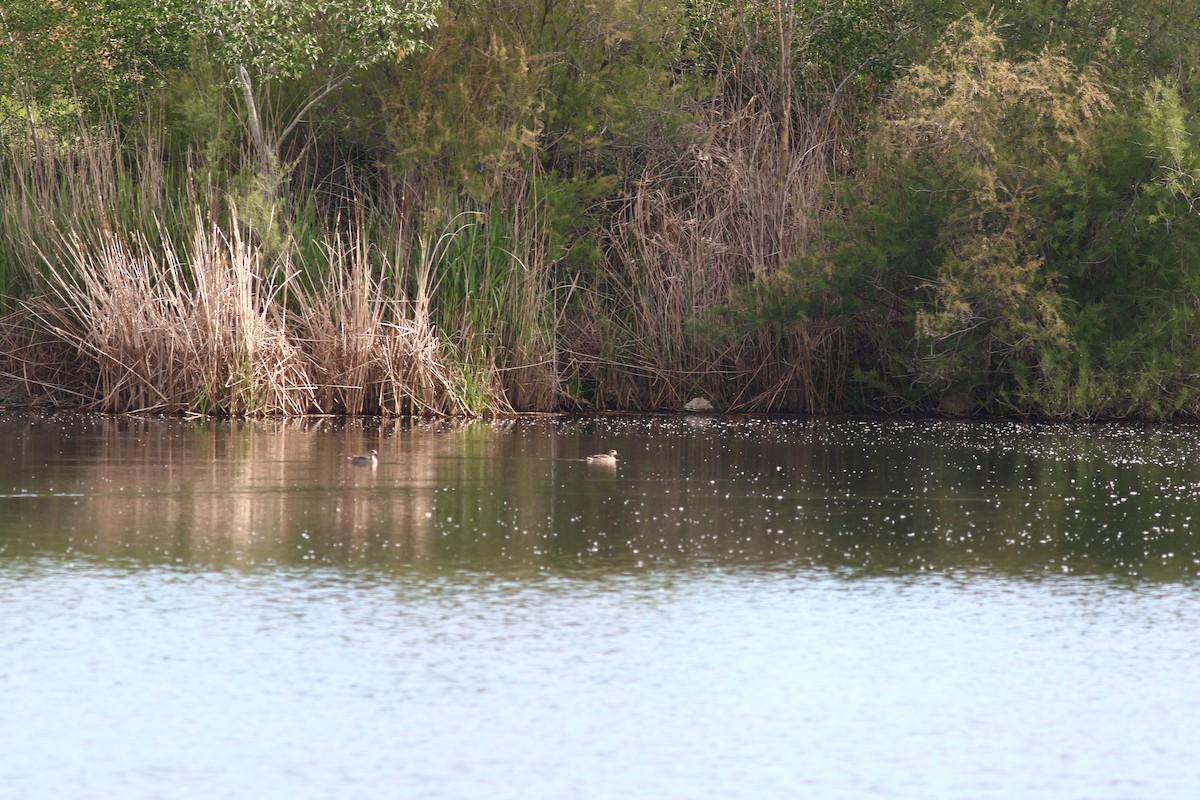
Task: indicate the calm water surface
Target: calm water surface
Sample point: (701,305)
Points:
(743,608)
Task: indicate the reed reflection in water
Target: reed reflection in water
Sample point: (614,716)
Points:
(868,496)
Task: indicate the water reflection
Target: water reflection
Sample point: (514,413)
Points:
(517,496)
(749,608)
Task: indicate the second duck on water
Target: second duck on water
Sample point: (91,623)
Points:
(603,458)
(369,460)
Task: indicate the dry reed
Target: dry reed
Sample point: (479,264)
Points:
(144,305)
(732,211)
(157,332)
(151,331)
(119,316)
(374,351)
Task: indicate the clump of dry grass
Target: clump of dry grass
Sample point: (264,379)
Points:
(209,333)
(373,351)
(131,305)
(155,331)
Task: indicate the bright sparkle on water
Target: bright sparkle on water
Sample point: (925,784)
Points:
(743,608)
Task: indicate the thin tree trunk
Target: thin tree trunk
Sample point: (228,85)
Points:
(266,150)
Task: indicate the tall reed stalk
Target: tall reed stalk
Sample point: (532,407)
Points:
(496,297)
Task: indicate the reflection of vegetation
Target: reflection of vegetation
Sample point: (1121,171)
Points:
(781,206)
(858,498)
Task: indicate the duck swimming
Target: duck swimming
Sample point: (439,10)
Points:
(369,460)
(603,458)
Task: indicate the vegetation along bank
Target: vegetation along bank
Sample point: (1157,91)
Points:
(475,206)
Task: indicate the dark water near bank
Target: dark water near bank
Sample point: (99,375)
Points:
(742,608)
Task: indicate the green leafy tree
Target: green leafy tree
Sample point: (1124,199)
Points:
(62,59)
(1131,43)
(996,131)
(1123,238)
(319,43)
(939,268)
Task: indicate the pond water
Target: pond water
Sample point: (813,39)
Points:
(741,608)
